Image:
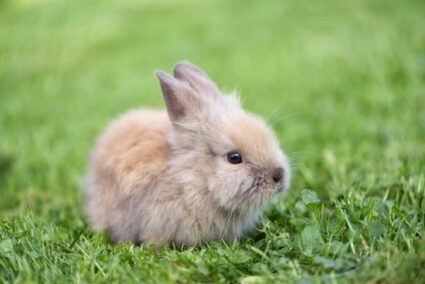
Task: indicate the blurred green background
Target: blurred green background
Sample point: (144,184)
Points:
(341,82)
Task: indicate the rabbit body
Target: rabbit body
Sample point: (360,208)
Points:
(200,171)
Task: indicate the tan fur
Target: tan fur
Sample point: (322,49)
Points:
(165,178)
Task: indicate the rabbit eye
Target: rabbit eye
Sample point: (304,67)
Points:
(234,157)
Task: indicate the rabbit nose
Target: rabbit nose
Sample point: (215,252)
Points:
(277,174)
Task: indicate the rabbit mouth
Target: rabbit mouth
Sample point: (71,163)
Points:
(252,194)
(258,192)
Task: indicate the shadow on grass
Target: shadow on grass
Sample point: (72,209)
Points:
(6,160)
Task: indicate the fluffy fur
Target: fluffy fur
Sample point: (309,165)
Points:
(164,177)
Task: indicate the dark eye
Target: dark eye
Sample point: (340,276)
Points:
(234,157)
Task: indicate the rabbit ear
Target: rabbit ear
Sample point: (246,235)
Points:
(195,77)
(179,98)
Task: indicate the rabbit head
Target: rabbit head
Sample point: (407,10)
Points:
(215,144)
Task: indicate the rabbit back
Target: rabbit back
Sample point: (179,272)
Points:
(129,156)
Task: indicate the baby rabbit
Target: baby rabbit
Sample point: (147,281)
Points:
(202,170)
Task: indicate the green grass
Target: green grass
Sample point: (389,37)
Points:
(341,82)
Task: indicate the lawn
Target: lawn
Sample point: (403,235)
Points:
(341,82)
